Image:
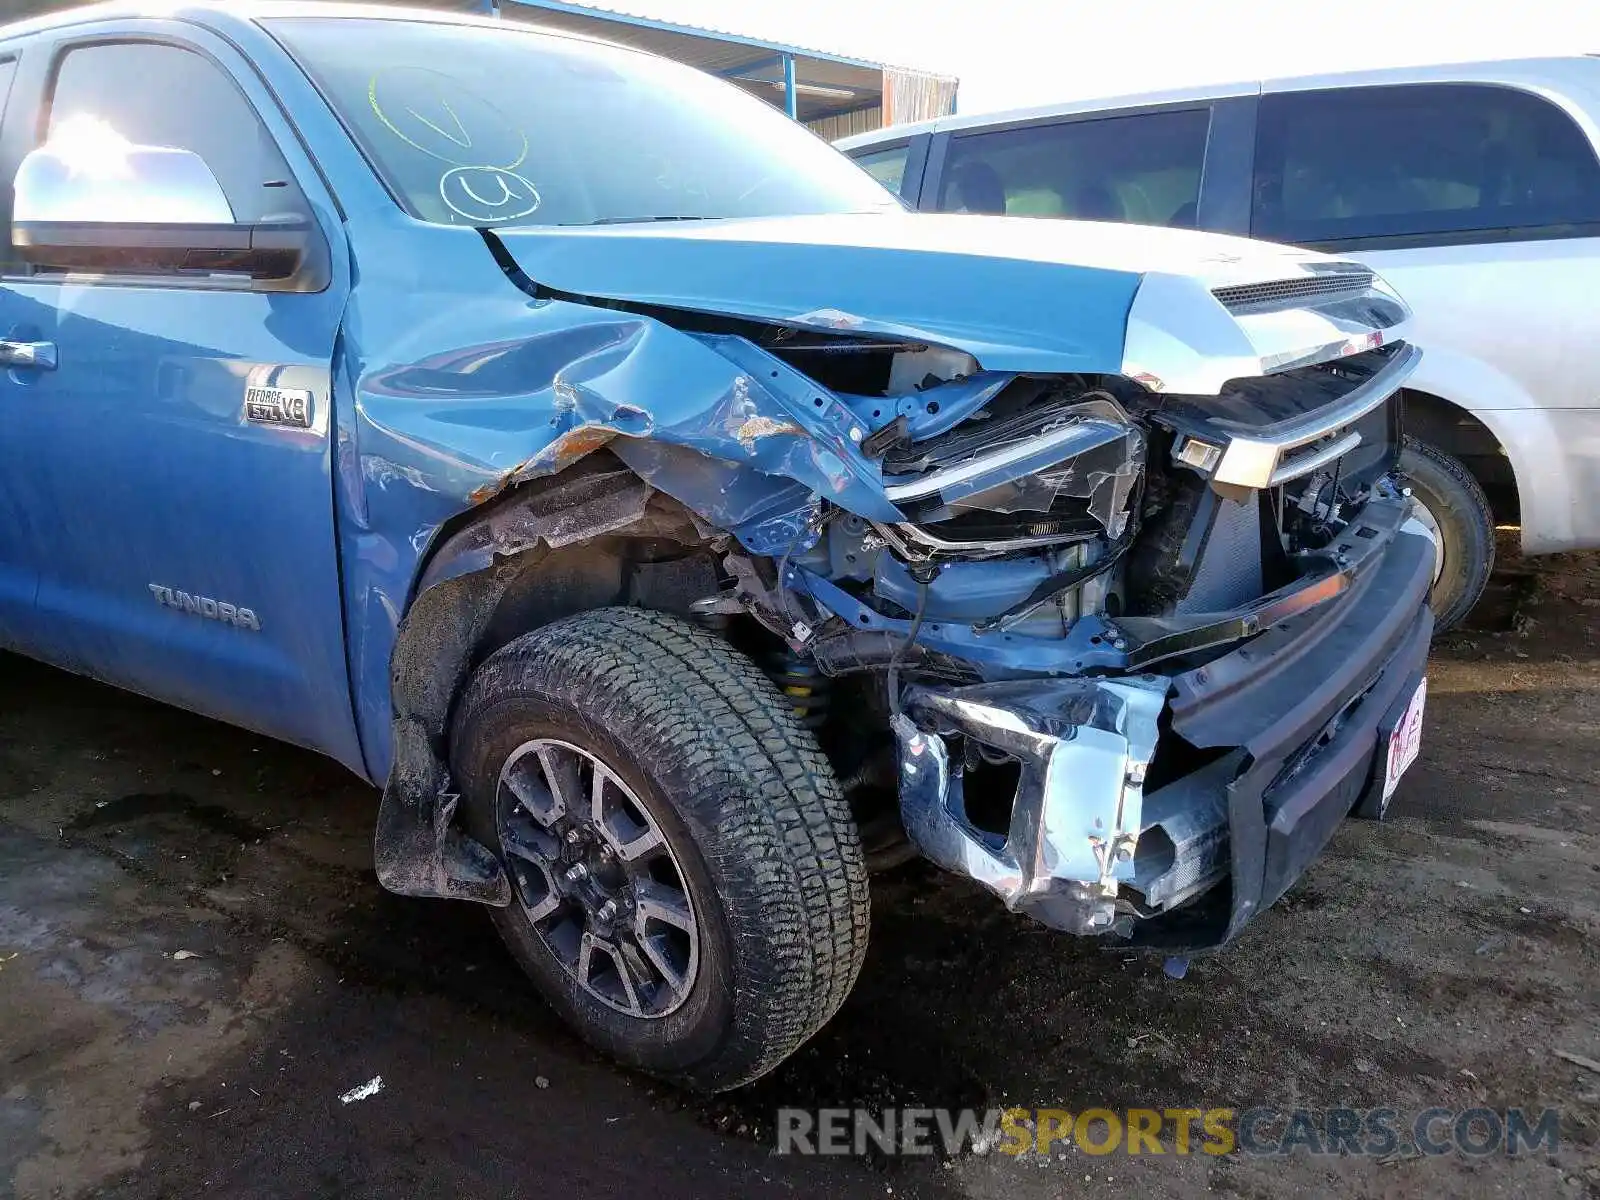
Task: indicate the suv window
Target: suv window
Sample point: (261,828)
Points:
(888,167)
(1416,160)
(1143,168)
(153,94)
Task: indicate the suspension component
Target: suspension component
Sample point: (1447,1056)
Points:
(800,679)
(804,683)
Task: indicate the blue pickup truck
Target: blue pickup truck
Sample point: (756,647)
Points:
(674,526)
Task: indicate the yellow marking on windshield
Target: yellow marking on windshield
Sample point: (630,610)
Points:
(466,134)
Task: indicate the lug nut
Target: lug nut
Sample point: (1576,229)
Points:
(577,873)
(607,911)
(573,837)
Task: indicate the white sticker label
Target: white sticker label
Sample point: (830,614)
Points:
(1405,743)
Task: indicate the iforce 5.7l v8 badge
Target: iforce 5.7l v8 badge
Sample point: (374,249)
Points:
(288,407)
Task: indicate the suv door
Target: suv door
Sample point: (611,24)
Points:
(1480,203)
(183,537)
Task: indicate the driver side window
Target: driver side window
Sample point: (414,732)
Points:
(151,94)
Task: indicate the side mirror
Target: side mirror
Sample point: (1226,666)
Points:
(88,200)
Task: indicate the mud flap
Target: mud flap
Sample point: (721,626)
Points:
(417,849)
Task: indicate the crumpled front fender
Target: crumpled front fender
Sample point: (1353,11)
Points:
(477,418)
(447,400)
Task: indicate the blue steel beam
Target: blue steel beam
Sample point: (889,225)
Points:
(712,35)
(790,100)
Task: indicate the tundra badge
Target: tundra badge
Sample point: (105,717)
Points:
(205,606)
(288,407)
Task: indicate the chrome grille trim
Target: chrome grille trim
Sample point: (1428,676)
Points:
(1262,457)
(1332,283)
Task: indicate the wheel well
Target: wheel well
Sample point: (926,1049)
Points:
(1453,429)
(592,536)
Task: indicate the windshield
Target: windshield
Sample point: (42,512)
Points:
(471,125)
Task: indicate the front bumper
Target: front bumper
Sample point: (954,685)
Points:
(1288,729)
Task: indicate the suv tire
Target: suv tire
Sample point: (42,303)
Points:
(748,840)
(1462,523)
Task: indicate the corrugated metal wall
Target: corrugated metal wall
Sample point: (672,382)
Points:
(916,96)
(844,124)
(907,96)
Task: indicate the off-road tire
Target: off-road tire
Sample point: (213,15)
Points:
(1466,527)
(771,857)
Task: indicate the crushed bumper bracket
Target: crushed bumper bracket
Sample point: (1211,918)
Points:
(1083,746)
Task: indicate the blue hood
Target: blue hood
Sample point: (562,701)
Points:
(1017,294)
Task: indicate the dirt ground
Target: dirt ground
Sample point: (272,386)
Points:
(196,963)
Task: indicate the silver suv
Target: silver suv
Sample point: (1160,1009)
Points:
(1474,189)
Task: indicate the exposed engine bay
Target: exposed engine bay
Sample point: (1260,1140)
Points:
(1074,528)
(1055,499)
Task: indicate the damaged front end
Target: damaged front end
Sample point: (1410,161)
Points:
(1112,803)
(1216,615)
(1112,624)
(1141,647)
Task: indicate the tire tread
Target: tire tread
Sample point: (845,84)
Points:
(1467,519)
(778,836)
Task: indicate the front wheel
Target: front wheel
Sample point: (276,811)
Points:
(1454,512)
(689,887)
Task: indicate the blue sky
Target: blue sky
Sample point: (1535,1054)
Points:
(1016,52)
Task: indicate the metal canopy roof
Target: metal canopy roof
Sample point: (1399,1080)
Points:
(824,84)
(835,94)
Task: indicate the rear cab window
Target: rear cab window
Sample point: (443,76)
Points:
(8,71)
(1418,162)
(1143,168)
